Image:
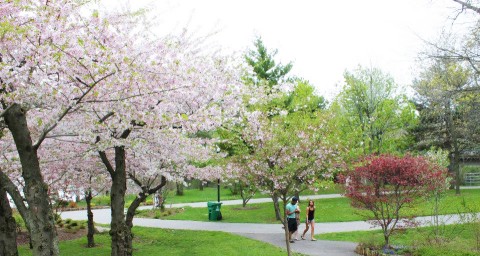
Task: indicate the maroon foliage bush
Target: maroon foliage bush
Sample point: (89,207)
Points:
(386,184)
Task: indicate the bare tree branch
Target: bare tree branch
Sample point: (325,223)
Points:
(468,5)
(106,162)
(5,111)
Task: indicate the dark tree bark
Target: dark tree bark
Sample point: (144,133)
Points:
(180,188)
(146,191)
(468,5)
(120,233)
(13,191)
(39,216)
(285,223)
(276,206)
(121,225)
(246,192)
(8,226)
(90,224)
(454,147)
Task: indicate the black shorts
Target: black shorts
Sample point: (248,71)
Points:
(292,225)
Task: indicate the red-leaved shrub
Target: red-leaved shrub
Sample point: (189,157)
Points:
(385,184)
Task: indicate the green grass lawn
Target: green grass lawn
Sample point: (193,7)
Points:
(327,210)
(190,196)
(455,240)
(196,195)
(153,241)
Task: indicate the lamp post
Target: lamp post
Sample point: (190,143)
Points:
(218,190)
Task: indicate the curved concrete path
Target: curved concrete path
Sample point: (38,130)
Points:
(270,233)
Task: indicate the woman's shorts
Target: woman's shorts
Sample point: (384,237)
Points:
(310,221)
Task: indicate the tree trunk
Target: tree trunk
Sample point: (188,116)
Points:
(180,188)
(452,133)
(90,224)
(244,197)
(285,225)
(133,207)
(8,227)
(139,199)
(42,226)
(387,242)
(130,214)
(17,198)
(276,208)
(456,168)
(119,231)
(435,215)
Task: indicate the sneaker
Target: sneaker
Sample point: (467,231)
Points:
(303,238)
(313,239)
(291,241)
(296,239)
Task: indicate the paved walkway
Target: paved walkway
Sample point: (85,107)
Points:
(270,233)
(239,202)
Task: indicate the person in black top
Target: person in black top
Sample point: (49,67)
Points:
(310,220)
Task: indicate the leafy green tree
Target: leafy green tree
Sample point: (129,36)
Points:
(287,149)
(265,68)
(370,116)
(449,107)
(301,100)
(266,74)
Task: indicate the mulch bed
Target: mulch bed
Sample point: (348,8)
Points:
(63,235)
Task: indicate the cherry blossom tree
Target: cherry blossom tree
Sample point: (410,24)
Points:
(384,185)
(52,54)
(77,71)
(72,171)
(287,149)
(177,94)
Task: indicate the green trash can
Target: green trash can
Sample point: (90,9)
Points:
(214,211)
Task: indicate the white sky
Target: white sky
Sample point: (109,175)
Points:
(322,38)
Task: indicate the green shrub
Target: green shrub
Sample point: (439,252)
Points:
(62,203)
(57,217)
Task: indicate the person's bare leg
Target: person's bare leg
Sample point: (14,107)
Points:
(313,231)
(305,231)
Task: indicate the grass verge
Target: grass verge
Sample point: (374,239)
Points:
(327,210)
(152,241)
(196,195)
(453,240)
